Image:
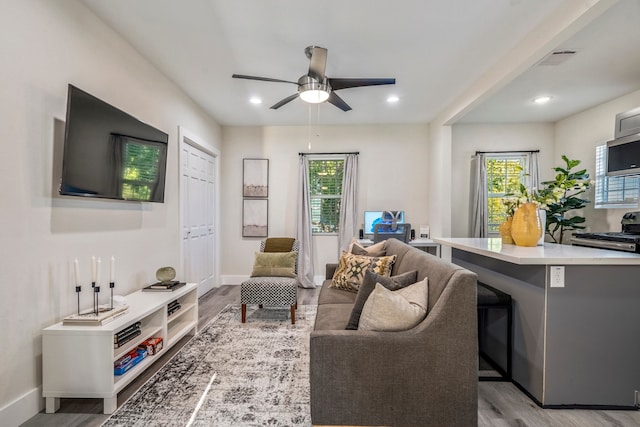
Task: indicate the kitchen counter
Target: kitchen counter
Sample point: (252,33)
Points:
(548,254)
(576,319)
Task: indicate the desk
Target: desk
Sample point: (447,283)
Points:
(426,245)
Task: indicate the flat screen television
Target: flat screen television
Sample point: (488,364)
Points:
(111,154)
(371,218)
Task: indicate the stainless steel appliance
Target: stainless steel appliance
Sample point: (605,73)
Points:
(627,240)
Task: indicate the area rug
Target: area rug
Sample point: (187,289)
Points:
(251,374)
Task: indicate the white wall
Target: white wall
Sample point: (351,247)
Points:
(45,46)
(578,135)
(392,174)
(469,138)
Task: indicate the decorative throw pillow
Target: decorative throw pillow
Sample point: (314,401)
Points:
(278,244)
(351,270)
(399,310)
(368,285)
(379,249)
(274,264)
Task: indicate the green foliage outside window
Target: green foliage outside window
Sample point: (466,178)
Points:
(325,192)
(140,171)
(504,176)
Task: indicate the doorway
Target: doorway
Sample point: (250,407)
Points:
(199,182)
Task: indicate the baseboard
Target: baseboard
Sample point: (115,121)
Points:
(230,279)
(23,408)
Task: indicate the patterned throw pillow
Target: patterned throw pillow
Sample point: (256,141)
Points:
(351,269)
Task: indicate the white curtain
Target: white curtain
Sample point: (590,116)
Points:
(479,196)
(534,172)
(305,254)
(348,209)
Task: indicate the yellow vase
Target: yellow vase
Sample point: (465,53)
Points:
(505,231)
(526,228)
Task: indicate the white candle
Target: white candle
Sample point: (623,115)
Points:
(76,270)
(93,269)
(98,270)
(112,270)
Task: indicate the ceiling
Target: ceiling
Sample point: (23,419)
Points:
(435,49)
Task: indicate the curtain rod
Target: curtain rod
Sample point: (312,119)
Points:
(508,151)
(317,154)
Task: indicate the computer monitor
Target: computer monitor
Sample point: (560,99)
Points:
(371,218)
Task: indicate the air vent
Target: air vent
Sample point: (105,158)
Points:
(557,57)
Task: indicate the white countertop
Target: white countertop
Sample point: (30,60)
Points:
(550,253)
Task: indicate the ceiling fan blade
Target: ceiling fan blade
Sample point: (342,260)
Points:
(338,102)
(318,63)
(284,101)
(264,79)
(337,84)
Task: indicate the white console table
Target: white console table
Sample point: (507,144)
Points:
(78,360)
(427,245)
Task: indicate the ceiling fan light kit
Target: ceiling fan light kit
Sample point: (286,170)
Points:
(312,91)
(314,87)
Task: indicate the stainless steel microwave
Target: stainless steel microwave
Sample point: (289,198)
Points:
(623,156)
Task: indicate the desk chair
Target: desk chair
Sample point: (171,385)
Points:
(383,232)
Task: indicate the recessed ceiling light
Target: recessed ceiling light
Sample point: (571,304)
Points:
(255,100)
(393,99)
(542,100)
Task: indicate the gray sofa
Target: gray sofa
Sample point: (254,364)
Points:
(426,376)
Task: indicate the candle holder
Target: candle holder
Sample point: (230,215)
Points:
(96,292)
(78,290)
(111,286)
(93,285)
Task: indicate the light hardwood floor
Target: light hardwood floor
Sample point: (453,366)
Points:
(499,404)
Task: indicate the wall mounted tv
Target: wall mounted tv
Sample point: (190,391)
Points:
(110,154)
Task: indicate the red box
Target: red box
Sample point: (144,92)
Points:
(152,345)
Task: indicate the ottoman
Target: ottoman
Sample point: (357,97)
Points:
(270,291)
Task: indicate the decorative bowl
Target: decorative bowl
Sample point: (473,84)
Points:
(166,274)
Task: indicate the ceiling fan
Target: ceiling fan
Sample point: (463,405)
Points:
(315,87)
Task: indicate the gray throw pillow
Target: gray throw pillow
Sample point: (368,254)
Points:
(369,284)
(391,311)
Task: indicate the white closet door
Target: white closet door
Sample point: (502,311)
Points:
(198,186)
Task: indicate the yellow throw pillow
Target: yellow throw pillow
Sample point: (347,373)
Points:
(274,264)
(351,269)
(278,244)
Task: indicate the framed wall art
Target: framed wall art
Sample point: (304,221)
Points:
(255,218)
(255,177)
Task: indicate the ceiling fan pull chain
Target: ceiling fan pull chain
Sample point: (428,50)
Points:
(309,128)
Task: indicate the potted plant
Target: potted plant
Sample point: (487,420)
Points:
(560,196)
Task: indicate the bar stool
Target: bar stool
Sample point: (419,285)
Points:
(492,298)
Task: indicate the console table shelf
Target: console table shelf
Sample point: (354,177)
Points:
(78,360)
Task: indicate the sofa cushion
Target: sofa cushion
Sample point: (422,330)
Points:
(399,310)
(329,295)
(378,249)
(350,272)
(368,285)
(274,264)
(332,317)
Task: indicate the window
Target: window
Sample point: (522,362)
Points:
(325,192)
(504,175)
(613,191)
